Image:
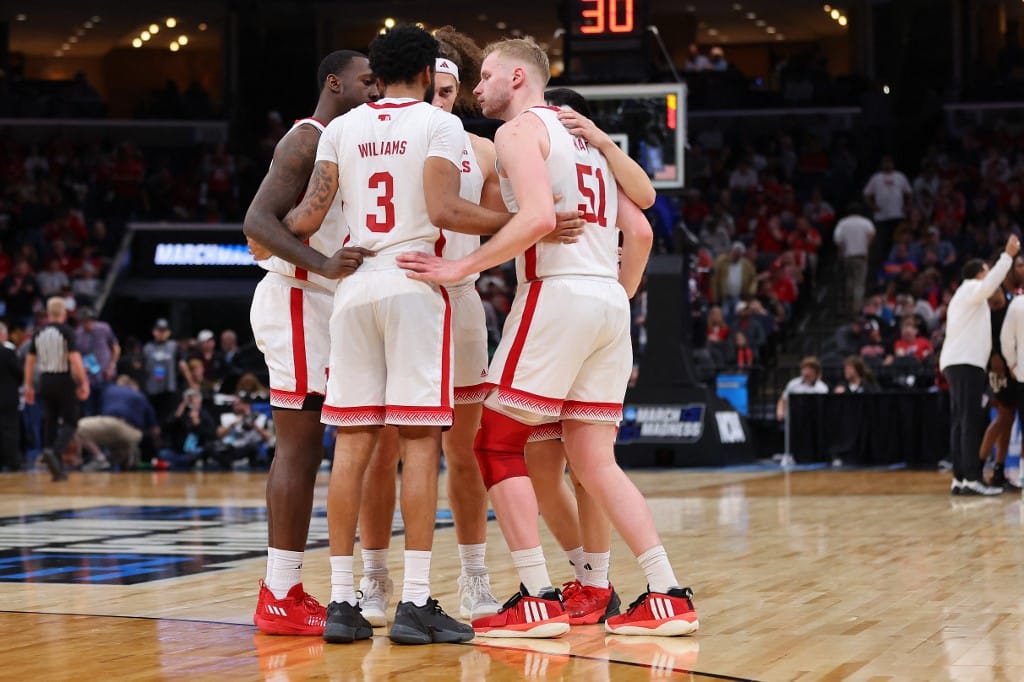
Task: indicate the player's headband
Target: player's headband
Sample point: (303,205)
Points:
(446,66)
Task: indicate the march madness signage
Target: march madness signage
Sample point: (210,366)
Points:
(662,423)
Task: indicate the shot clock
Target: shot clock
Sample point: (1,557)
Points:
(605,41)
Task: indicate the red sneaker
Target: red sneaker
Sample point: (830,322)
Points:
(296,614)
(667,615)
(526,616)
(587,605)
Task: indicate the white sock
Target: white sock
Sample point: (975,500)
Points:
(285,571)
(533,571)
(342,584)
(270,566)
(416,585)
(595,567)
(576,561)
(472,557)
(655,565)
(375,562)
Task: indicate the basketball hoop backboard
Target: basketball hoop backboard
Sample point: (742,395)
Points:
(648,122)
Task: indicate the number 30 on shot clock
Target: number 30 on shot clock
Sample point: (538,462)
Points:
(605,18)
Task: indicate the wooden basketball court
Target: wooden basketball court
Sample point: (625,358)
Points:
(811,575)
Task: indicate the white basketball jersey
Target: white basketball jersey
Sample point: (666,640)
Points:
(581,175)
(380,148)
(457,244)
(332,231)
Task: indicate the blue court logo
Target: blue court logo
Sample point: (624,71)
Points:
(127,545)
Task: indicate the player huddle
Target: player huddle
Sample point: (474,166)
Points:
(370,321)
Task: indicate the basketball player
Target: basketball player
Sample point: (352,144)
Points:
(466,492)
(565,352)
(395,164)
(290,311)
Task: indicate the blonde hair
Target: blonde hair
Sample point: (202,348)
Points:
(55,307)
(526,50)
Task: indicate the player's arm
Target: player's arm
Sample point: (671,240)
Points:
(568,224)
(305,219)
(631,177)
(490,197)
(518,145)
(637,239)
(288,175)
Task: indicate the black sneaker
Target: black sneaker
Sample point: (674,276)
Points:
(427,624)
(345,624)
(53,464)
(999,480)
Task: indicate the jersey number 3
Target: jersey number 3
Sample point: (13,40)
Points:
(384,183)
(592,188)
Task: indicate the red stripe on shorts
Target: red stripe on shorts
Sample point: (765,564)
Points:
(531,263)
(508,374)
(299,343)
(446,352)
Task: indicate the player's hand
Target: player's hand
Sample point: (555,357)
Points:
(256,249)
(579,125)
(345,261)
(1013,246)
(82,391)
(998,365)
(428,268)
(30,395)
(568,227)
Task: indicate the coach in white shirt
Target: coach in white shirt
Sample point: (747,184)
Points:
(964,357)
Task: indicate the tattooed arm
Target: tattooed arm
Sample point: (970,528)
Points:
(304,220)
(284,182)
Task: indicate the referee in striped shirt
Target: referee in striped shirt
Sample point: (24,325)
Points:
(62,383)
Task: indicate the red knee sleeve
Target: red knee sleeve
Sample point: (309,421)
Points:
(499,447)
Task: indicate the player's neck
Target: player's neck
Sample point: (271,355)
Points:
(405,91)
(522,102)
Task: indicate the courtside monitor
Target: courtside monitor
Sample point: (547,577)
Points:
(648,122)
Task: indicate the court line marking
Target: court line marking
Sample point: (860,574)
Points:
(634,664)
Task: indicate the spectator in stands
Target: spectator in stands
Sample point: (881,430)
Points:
(745,177)
(696,61)
(809,381)
(734,278)
(242,436)
(717,59)
(805,241)
(744,355)
(964,357)
(21,292)
(888,193)
(853,237)
(874,349)
(857,378)
(227,373)
(910,344)
(189,431)
(161,364)
(52,279)
(11,375)
(86,285)
(100,354)
(850,337)
(718,230)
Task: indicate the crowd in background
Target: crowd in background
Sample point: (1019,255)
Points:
(776,214)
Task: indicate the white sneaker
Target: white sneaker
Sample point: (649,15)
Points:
(374,600)
(956,487)
(475,598)
(978,488)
